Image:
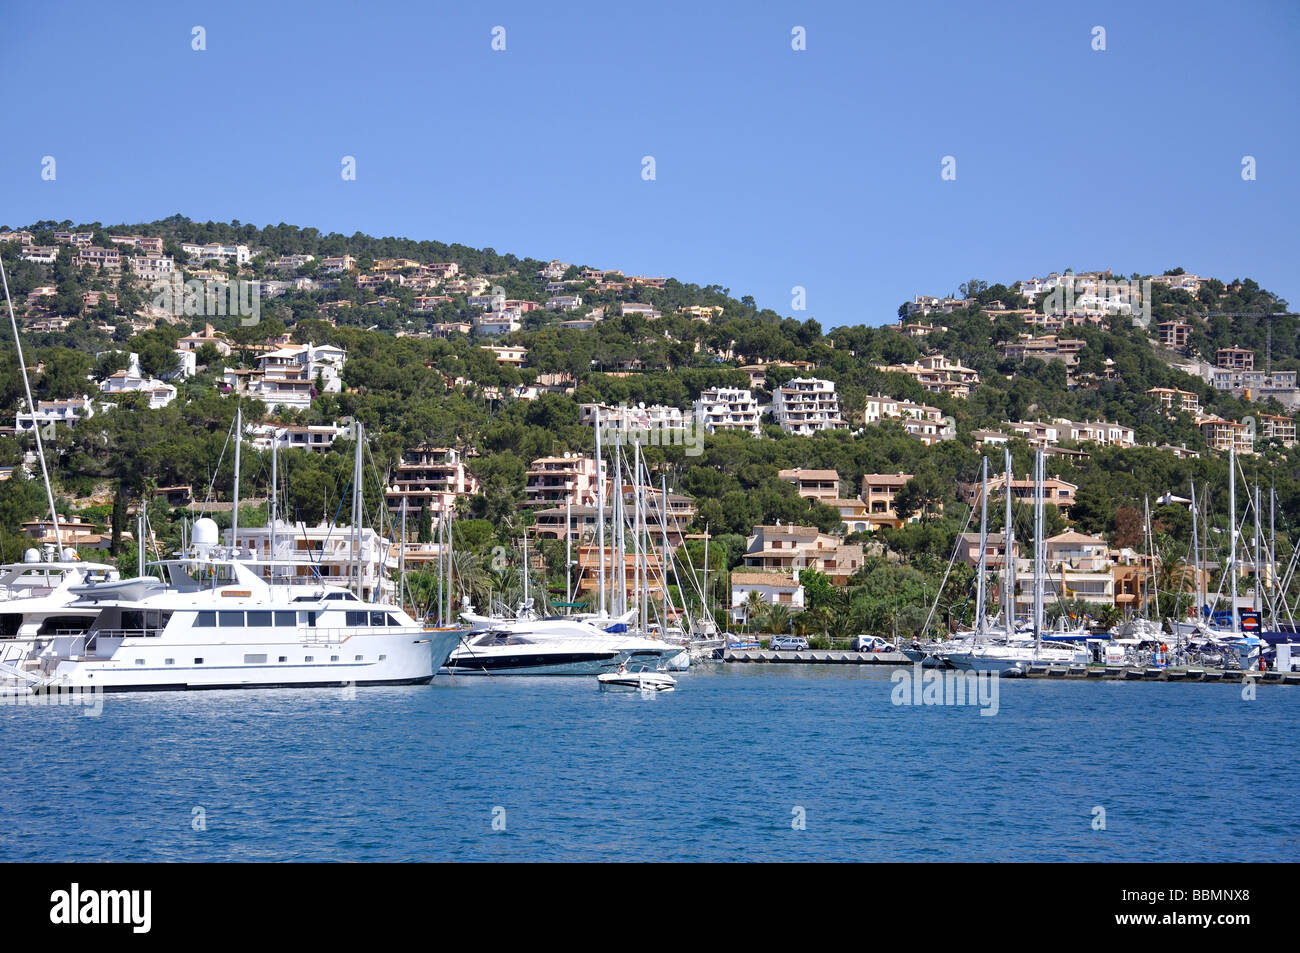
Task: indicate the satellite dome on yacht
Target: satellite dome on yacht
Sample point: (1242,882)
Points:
(205,533)
(31,555)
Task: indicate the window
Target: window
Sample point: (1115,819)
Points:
(334,658)
(284,658)
(309,658)
(377,618)
(383,658)
(356,618)
(198,661)
(170,661)
(357,659)
(259,618)
(139,661)
(255,659)
(205,619)
(306,618)
(286,619)
(231,619)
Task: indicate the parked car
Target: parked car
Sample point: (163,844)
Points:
(789,643)
(873,643)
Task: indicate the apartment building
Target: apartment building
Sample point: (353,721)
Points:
(217,251)
(938,375)
(1056,492)
(312,438)
(729,408)
(1277,427)
(131,381)
(1224,435)
(773,589)
(553,481)
(1172,400)
(791,548)
(878,492)
(806,405)
(1234,359)
(1174,335)
(928,424)
(93,256)
(432,478)
(67,411)
(820,485)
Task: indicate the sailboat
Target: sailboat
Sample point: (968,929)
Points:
(1014,656)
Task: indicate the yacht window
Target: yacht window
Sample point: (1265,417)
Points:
(334,658)
(259,618)
(235,619)
(356,618)
(309,658)
(378,618)
(357,659)
(383,658)
(306,618)
(286,619)
(198,661)
(205,619)
(254,659)
(394,620)
(139,661)
(169,661)
(284,658)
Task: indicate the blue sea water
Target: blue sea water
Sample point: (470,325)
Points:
(720,769)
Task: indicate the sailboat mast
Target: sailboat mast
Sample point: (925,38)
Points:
(984,541)
(234,510)
(1008,559)
(275,442)
(600,518)
(356,509)
(1232,513)
(1038,551)
(31,405)
(665,558)
(1196,553)
(568,548)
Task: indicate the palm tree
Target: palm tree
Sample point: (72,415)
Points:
(753,608)
(777,619)
(469,578)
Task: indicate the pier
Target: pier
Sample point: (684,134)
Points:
(1095,673)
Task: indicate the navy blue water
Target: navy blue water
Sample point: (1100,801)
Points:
(722,769)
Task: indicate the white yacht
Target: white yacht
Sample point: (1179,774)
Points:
(558,646)
(216,623)
(35,599)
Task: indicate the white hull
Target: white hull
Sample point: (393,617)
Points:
(403,656)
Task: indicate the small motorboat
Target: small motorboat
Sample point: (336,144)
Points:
(625,681)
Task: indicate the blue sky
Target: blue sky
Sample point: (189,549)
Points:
(774,168)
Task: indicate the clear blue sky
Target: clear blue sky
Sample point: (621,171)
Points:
(775,168)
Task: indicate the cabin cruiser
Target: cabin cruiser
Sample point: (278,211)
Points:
(555,646)
(642,681)
(214,622)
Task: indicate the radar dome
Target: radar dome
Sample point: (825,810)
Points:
(205,532)
(31,555)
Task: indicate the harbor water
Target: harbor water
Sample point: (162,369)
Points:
(739,763)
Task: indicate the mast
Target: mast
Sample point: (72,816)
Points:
(451,566)
(984,539)
(234,511)
(1196,555)
(1232,514)
(600,518)
(401,563)
(31,405)
(275,442)
(708,613)
(356,509)
(568,547)
(1038,551)
(525,568)
(664,560)
(620,567)
(1008,560)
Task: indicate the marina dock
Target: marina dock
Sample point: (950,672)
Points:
(1096,673)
